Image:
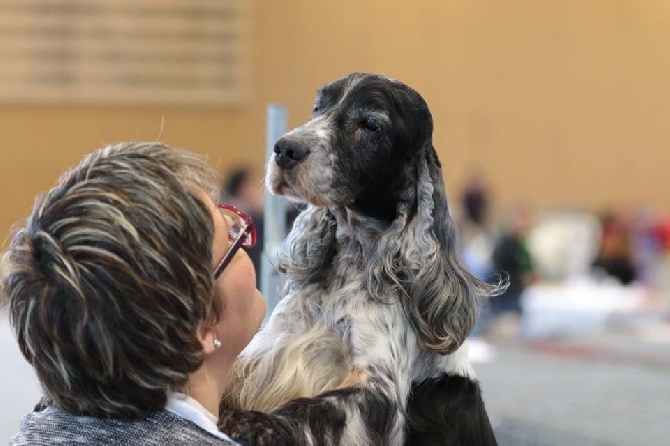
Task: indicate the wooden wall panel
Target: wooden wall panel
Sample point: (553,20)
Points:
(123,51)
(561,104)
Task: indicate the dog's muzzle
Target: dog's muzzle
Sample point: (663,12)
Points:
(289,153)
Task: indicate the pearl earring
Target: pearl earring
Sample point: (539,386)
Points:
(217,343)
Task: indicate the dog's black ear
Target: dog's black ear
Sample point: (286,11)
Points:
(308,250)
(421,256)
(444,299)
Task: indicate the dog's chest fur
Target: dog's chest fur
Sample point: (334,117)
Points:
(345,291)
(343,303)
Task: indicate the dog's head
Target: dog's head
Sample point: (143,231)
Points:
(368,148)
(364,130)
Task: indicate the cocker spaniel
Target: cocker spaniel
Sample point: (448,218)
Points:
(366,345)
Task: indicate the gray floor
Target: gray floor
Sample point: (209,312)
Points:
(573,396)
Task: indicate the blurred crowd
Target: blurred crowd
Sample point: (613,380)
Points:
(575,262)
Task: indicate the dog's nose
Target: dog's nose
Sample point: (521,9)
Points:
(289,153)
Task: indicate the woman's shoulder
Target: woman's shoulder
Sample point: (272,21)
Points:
(53,426)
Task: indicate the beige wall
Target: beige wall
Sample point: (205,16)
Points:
(563,103)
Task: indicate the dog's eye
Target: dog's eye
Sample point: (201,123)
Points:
(370,124)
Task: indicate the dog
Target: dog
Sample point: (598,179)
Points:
(366,345)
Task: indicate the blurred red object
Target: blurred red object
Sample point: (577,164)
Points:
(662,234)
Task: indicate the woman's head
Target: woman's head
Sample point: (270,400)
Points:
(111,280)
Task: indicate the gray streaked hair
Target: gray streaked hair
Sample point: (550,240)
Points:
(111,276)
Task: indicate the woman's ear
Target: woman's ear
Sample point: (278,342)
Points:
(208,338)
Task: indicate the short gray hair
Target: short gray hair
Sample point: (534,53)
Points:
(111,277)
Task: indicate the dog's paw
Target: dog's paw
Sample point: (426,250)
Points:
(252,428)
(356,377)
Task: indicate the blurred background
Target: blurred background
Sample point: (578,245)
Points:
(550,121)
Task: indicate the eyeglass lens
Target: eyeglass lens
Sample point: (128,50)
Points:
(236,226)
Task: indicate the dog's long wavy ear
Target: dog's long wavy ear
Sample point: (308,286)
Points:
(310,246)
(420,255)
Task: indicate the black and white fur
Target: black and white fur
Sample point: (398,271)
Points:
(377,306)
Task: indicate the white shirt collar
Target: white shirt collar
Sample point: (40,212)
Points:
(186,407)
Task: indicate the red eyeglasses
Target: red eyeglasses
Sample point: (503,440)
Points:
(241,232)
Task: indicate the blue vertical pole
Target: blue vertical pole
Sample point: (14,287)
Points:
(274,213)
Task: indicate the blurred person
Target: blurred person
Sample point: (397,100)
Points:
(645,245)
(661,231)
(661,269)
(615,256)
(477,249)
(243,188)
(477,242)
(475,199)
(511,257)
(477,238)
(477,252)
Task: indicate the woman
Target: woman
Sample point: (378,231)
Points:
(130,297)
